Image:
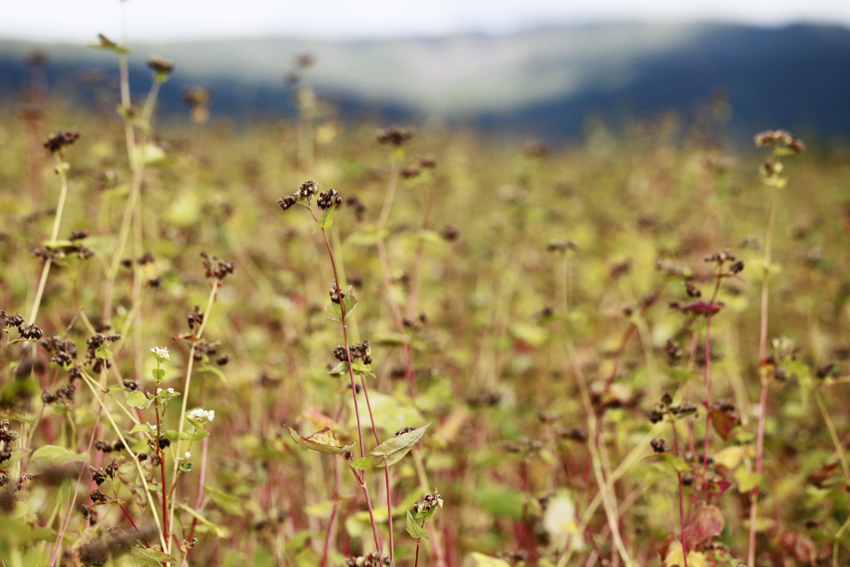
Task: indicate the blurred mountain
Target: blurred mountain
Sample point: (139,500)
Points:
(543,81)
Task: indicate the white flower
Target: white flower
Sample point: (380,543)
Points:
(201,415)
(188,455)
(153,427)
(161,353)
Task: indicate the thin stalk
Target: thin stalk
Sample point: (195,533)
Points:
(160,454)
(681,497)
(398,320)
(181,423)
(335,498)
(839,448)
(417,258)
(768,248)
(608,503)
(90,383)
(356,408)
(71,508)
(57,220)
(708,377)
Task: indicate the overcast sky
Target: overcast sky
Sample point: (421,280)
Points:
(151,20)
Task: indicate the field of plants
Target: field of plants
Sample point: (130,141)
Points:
(314,343)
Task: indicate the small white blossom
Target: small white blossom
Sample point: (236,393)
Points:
(161,353)
(153,427)
(201,415)
(188,455)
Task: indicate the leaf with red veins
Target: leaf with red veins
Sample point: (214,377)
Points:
(708,522)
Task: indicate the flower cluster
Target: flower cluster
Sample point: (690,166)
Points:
(161,353)
(161,66)
(304,194)
(216,268)
(328,199)
(201,415)
(59,139)
(394,136)
(779,139)
(430,502)
(357,351)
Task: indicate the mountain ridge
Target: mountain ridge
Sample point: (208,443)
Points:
(548,78)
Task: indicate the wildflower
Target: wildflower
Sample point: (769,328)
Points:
(188,455)
(161,353)
(201,415)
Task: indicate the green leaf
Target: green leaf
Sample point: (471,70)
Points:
(227,502)
(747,480)
(679,464)
(142,427)
(430,236)
(326,221)
(150,557)
(102,352)
(138,399)
(529,333)
(324,441)
(399,442)
(334,311)
(414,529)
(362,463)
(50,456)
(199,434)
(368,236)
(158,374)
(501,501)
(339,369)
(213,370)
(212,528)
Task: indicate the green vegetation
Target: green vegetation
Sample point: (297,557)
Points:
(305,344)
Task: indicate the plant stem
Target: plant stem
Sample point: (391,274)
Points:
(90,383)
(763,378)
(681,498)
(161,455)
(71,508)
(335,497)
(357,409)
(181,423)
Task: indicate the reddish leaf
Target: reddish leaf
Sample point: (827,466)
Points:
(723,422)
(801,545)
(707,523)
(703,307)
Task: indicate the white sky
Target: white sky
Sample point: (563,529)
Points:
(152,20)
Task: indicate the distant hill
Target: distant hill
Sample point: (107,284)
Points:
(542,81)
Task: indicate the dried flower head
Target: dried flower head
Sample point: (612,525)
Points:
(779,139)
(59,139)
(394,136)
(161,66)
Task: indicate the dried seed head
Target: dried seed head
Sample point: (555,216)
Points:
(59,139)
(328,199)
(394,136)
(161,66)
(659,445)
